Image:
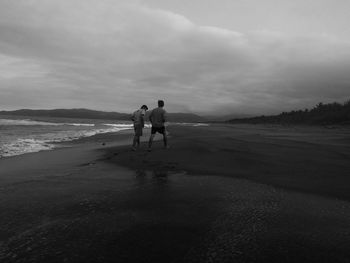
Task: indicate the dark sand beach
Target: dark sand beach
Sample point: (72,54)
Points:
(223,193)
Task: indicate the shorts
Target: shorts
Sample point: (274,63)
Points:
(138,130)
(161,130)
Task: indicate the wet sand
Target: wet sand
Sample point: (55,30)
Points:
(220,194)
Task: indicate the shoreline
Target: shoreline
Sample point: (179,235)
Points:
(47,145)
(186,153)
(219,194)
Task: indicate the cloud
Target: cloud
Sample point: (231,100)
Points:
(114,56)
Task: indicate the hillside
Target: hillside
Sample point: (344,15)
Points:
(69,113)
(92,114)
(331,113)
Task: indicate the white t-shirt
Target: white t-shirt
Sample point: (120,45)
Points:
(138,116)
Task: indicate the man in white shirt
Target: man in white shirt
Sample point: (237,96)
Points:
(139,123)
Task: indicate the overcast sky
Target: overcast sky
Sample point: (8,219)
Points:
(203,56)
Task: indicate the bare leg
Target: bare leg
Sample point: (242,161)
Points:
(135,142)
(150,142)
(165,140)
(138,141)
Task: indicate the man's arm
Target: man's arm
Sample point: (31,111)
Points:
(150,116)
(142,119)
(165,117)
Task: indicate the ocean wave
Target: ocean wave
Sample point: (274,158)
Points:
(25,122)
(190,124)
(200,124)
(28,122)
(48,141)
(80,124)
(119,125)
(124,125)
(22,146)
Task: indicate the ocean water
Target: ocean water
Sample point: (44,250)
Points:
(20,135)
(24,135)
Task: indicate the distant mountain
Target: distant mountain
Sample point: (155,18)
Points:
(69,113)
(331,113)
(92,114)
(218,118)
(185,117)
(182,117)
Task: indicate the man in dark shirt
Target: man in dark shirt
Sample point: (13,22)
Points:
(158,118)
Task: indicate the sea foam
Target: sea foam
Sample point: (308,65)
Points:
(20,136)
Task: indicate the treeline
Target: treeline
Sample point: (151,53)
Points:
(330,113)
